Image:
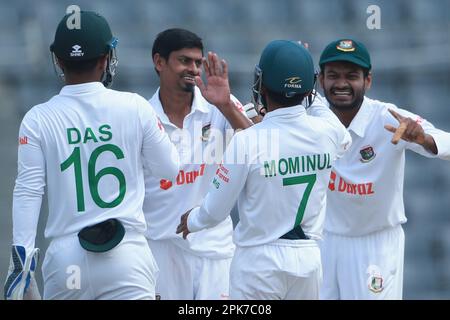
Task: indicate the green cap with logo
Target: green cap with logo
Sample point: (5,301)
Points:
(287,67)
(346,50)
(90,39)
(103,236)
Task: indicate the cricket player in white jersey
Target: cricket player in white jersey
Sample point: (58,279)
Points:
(281,195)
(197,119)
(88,145)
(363,246)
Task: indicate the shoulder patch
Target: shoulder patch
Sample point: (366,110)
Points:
(23,140)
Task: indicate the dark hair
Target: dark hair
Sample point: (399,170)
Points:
(80,66)
(282,100)
(365,72)
(175,39)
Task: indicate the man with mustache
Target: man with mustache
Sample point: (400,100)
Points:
(197,117)
(363,247)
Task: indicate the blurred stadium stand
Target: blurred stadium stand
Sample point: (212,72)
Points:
(411,68)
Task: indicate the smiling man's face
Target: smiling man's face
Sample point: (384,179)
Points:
(344,84)
(181,68)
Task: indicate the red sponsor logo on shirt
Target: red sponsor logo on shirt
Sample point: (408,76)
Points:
(165,184)
(361,189)
(23,140)
(183,177)
(222,173)
(331,185)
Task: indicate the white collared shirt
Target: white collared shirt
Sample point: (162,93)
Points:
(88,144)
(366,187)
(201,144)
(279,171)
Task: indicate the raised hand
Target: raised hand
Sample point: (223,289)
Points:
(408,130)
(217,89)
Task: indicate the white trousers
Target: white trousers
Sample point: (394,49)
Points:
(368,267)
(126,272)
(282,270)
(185,276)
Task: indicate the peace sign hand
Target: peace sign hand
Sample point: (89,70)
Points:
(408,130)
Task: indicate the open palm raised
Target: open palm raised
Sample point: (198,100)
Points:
(217,89)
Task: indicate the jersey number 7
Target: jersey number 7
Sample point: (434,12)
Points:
(310,179)
(94,178)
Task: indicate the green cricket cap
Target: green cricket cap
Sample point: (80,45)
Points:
(103,236)
(91,38)
(287,67)
(346,50)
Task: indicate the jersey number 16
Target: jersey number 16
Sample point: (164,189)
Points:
(94,178)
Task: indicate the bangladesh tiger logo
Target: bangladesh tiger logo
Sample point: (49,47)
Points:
(375,279)
(346,46)
(367,154)
(206,130)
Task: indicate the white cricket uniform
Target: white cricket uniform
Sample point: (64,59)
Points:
(362,252)
(279,171)
(88,145)
(198,268)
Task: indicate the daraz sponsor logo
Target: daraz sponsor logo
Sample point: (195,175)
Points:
(350,188)
(183,177)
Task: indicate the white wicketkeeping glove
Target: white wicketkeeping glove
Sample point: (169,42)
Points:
(20,283)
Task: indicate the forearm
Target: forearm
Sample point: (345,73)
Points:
(28,192)
(26,209)
(200,218)
(236,119)
(214,208)
(223,193)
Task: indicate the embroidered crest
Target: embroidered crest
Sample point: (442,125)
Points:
(367,154)
(346,46)
(205,132)
(375,279)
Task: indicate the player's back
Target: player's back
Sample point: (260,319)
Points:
(288,177)
(91,138)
